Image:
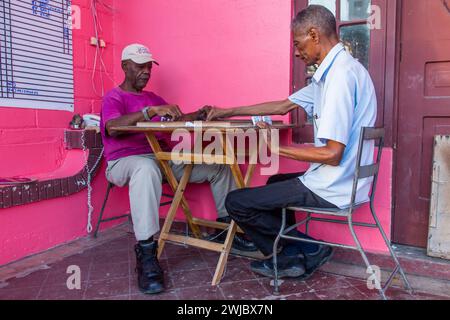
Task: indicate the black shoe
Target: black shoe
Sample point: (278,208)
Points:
(239,242)
(150,273)
(242,244)
(315,261)
(288,267)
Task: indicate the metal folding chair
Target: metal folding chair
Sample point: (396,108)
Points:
(100,217)
(361,172)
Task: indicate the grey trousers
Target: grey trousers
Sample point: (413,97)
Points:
(143,176)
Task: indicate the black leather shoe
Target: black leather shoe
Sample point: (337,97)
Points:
(315,261)
(150,273)
(242,244)
(288,267)
(239,243)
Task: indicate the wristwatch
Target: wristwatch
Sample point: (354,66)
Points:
(145,112)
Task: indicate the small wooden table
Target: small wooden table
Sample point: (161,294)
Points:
(225,128)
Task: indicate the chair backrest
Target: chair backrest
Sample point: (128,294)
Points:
(367,171)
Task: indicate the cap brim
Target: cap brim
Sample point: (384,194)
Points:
(142,60)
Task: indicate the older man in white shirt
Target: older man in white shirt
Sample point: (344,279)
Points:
(341,100)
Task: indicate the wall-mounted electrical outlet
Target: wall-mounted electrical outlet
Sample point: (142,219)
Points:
(102,43)
(94,41)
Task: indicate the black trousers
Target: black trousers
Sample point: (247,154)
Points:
(258,210)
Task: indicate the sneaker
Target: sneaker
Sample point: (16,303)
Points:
(288,267)
(315,261)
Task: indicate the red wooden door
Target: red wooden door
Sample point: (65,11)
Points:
(424,111)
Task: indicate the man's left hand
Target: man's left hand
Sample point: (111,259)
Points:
(265,126)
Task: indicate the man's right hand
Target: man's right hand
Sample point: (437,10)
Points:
(213,112)
(172,111)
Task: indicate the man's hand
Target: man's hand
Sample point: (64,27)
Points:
(265,126)
(194,116)
(171,111)
(213,112)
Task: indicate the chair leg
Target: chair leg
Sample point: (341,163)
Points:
(275,252)
(391,251)
(364,256)
(307,223)
(186,228)
(110,185)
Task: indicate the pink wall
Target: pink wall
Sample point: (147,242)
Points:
(211,52)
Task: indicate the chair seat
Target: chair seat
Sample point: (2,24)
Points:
(328,211)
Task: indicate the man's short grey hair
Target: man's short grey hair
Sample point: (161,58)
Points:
(315,16)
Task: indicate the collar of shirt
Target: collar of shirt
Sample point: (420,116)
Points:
(327,62)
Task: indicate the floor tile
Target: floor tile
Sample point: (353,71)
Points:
(341,293)
(120,297)
(201,293)
(109,271)
(61,292)
(399,294)
(186,263)
(427,296)
(19,294)
(324,281)
(35,279)
(119,244)
(212,258)
(173,250)
(244,290)
(303,296)
(107,288)
(193,278)
(77,259)
(286,286)
(110,255)
(234,273)
(166,295)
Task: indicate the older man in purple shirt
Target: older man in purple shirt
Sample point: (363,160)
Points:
(131,161)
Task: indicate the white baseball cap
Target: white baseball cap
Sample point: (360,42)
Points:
(137,53)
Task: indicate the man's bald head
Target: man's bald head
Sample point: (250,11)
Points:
(318,17)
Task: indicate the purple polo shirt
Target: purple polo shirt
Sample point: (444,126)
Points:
(117,103)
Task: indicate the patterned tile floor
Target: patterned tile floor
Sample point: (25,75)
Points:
(107,272)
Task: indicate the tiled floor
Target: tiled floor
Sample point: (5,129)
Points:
(107,272)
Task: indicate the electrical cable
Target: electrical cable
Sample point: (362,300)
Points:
(89,179)
(98,54)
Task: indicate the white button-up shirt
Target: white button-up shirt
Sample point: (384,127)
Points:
(341,99)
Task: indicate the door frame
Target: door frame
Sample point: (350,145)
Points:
(395,33)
